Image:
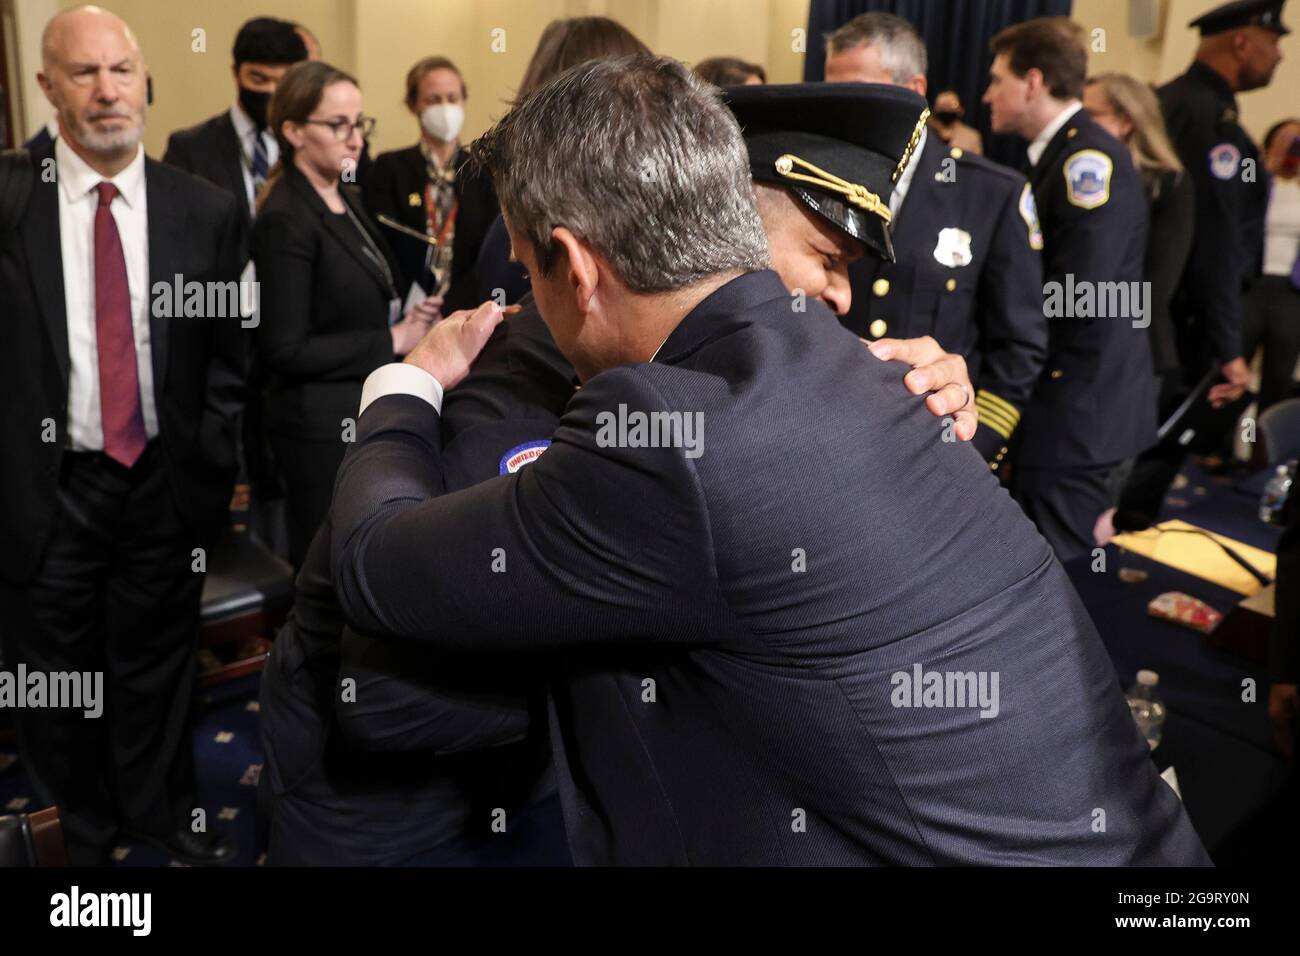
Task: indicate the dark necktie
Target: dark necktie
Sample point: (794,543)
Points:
(261,163)
(119,381)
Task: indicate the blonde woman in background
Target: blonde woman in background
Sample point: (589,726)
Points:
(1128,110)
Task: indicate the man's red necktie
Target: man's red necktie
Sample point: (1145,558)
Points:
(119,380)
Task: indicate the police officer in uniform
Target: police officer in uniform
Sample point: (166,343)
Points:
(449,735)
(1095,406)
(1238,52)
(966,241)
(705,693)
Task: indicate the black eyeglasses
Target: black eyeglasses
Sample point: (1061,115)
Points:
(342,128)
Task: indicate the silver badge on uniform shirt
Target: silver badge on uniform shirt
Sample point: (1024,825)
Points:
(953,249)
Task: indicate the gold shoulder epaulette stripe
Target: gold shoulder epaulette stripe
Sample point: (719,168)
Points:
(999,402)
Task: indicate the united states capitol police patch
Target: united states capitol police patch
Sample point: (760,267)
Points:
(1029,213)
(1224,160)
(524,454)
(1087,178)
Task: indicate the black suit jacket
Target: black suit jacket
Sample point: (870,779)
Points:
(1169,242)
(198,363)
(394,186)
(1095,404)
(985,302)
(731,628)
(325,308)
(455,735)
(211,150)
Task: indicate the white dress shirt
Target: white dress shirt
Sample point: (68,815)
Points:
(246,130)
(1282,228)
(905,180)
(1040,142)
(399,378)
(78,200)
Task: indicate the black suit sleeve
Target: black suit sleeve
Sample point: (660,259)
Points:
(408,697)
(228,368)
(1173,221)
(588,544)
(404,697)
(1013,328)
(285,251)
(377,190)
(1218,266)
(1084,244)
(177,154)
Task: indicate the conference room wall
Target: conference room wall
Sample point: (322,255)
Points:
(1167,54)
(379,39)
(492,40)
(189,85)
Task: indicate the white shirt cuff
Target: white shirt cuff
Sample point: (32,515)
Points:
(398,378)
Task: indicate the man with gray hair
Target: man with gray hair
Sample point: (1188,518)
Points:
(118,446)
(966,241)
(726,629)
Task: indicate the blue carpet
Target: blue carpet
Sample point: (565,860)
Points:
(228,759)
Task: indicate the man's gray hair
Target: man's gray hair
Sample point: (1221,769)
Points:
(639,158)
(899,46)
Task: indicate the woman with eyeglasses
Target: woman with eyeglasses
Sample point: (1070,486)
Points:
(331,305)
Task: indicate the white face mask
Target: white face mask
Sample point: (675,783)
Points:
(443,121)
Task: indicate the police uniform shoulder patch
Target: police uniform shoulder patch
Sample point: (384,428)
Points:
(1029,213)
(524,454)
(1224,160)
(1087,178)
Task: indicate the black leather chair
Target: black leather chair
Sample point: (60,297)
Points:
(32,839)
(246,595)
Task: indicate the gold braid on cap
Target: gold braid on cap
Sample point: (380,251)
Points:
(912,144)
(859,196)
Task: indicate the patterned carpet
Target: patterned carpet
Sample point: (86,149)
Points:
(228,758)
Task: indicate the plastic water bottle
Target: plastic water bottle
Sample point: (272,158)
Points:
(1147,708)
(1273,501)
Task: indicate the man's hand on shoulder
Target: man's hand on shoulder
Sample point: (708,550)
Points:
(450,346)
(942,374)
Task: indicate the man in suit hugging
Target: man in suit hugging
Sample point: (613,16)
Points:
(766,647)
